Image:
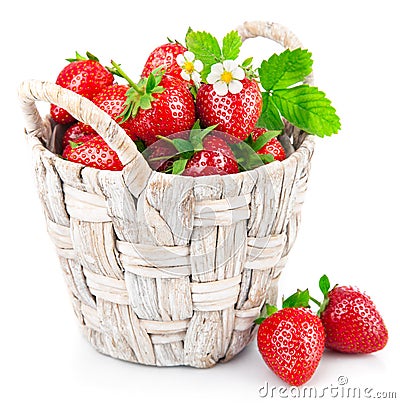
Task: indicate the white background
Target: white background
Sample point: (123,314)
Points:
(350,219)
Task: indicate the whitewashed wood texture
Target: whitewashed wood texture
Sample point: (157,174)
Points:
(166,270)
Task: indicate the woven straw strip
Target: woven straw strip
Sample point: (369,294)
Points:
(264,253)
(107,288)
(215,295)
(222,212)
(160,327)
(60,235)
(85,206)
(245,318)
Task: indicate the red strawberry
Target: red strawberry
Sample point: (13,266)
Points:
(216,158)
(94,153)
(86,77)
(235,114)
(164,56)
(273,146)
(160,154)
(112,100)
(291,342)
(160,105)
(352,322)
(76,134)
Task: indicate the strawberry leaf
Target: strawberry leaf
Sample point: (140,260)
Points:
(308,109)
(270,117)
(197,136)
(286,69)
(205,48)
(324,284)
(297,300)
(231,44)
(182,145)
(267,158)
(265,138)
(179,166)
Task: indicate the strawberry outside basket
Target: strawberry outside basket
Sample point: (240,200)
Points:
(163,269)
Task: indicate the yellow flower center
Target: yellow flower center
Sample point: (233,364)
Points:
(188,67)
(227,76)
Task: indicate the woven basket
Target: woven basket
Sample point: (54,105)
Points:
(162,269)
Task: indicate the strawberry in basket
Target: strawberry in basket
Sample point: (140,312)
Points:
(158,105)
(76,134)
(83,75)
(93,152)
(165,56)
(112,99)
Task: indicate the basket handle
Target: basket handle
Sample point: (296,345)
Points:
(274,31)
(81,109)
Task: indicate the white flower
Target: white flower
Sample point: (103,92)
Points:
(191,68)
(225,77)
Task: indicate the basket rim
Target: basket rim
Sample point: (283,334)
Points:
(307,144)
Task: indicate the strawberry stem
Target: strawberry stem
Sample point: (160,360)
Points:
(315,301)
(117,70)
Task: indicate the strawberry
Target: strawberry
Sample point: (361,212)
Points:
(159,105)
(164,56)
(95,153)
(272,146)
(76,134)
(351,321)
(235,114)
(291,341)
(112,100)
(216,158)
(160,154)
(86,77)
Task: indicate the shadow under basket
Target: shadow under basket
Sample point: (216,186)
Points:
(162,269)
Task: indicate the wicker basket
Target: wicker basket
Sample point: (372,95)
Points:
(166,270)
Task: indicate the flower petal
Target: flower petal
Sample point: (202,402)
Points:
(217,68)
(213,77)
(221,88)
(198,65)
(180,60)
(230,65)
(189,56)
(238,73)
(196,77)
(185,75)
(235,87)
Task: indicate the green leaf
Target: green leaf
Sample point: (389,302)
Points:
(197,137)
(245,156)
(324,284)
(91,56)
(308,109)
(270,117)
(187,33)
(267,158)
(297,300)
(265,138)
(288,68)
(140,145)
(231,44)
(179,166)
(151,83)
(247,62)
(145,101)
(182,145)
(205,48)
